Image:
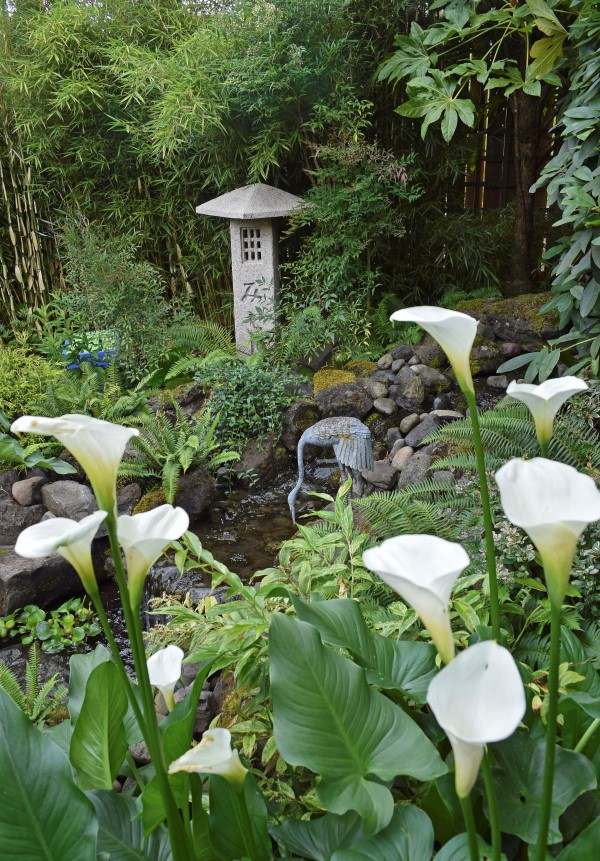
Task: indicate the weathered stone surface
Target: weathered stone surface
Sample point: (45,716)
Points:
(69,499)
(497,381)
(350,400)
(441,403)
(397,365)
(423,429)
(516,319)
(15,518)
(485,331)
(386,377)
(261,458)
(434,380)
(382,475)
(402,351)
(385,406)
(443,475)
(195,493)
(412,395)
(510,350)
(401,457)
(485,357)
(28,491)
(400,443)
(431,354)
(296,419)
(7,479)
(41,581)
(409,422)
(415,469)
(164,577)
(448,415)
(391,436)
(374,388)
(385,362)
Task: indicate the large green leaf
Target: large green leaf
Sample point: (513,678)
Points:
(318,839)
(238,821)
(120,830)
(400,665)
(458,850)
(328,719)
(585,846)
(99,742)
(518,776)
(44,816)
(408,837)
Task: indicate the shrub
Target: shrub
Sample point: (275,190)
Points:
(24,377)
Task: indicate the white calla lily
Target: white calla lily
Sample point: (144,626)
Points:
(213,755)
(422,569)
(71,539)
(545,400)
(164,671)
(97,445)
(477,699)
(143,537)
(454,332)
(553,503)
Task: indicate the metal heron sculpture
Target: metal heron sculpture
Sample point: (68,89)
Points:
(352,445)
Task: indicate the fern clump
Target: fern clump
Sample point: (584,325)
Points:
(40,701)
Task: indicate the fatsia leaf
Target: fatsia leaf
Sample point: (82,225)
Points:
(328,719)
(546,53)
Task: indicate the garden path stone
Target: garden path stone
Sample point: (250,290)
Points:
(69,499)
(14,518)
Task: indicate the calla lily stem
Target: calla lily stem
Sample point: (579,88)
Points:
(487,516)
(492,806)
(587,735)
(544,444)
(180,843)
(551,718)
(467,811)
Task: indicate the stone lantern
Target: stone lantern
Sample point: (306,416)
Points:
(252,211)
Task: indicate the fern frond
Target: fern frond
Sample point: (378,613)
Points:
(32,673)
(534,650)
(10,684)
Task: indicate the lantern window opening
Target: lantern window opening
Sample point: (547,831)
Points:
(251,244)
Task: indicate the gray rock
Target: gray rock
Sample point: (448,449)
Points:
(397,365)
(195,493)
(400,443)
(392,435)
(28,491)
(15,518)
(385,406)
(414,361)
(448,415)
(497,381)
(402,351)
(485,358)
(49,516)
(385,362)
(374,388)
(485,331)
(344,400)
(296,419)
(441,403)
(431,354)
(412,395)
(409,422)
(423,429)
(415,469)
(510,350)
(401,457)
(69,499)
(434,380)
(7,479)
(260,459)
(386,377)
(382,475)
(443,475)
(394,391)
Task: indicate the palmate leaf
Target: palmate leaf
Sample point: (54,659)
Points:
(432,97)
(328,719)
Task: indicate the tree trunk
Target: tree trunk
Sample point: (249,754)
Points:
(527,124)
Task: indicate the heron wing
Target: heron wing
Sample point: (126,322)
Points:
(355,451)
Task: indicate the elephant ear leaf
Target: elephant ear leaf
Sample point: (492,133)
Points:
(44,816)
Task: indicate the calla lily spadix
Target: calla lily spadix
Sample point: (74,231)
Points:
(213,755)
(422,569)
(545,400)
(143,537)
(553,503)
(477,699)
(71,539)
(97,445)
(454,332)
(164,671)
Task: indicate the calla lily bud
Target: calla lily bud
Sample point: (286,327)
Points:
(97,445)
(164,671)
(422,569)
(477,699)
(545,400)
(71,539)
(212,756)
(143,537)
(553,503)
(454,332)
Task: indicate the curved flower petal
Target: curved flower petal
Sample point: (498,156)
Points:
(71,539)
(212,756)
(143,537)
(545,400)
(164,671)
(98,446)
(553,503)
(454,332)
(477,699)
(422,569)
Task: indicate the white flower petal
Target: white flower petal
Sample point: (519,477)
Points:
(454,332)
(96,444)
(164,671)
(423,570)
(212,756)
(545,400)
(477,699)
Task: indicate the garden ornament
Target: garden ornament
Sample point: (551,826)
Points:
(352,445)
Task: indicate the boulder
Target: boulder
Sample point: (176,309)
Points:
(374,388)
(516,319)
(434,381)
(385,406)
(431,354)
(385,362)
(195,492)
(69,499)
(261,458)
(344,400)
(7,479)
(485,357)
(401,457)
(412,390)
(296,420)
(28,491)
(402,351)
(430,423)
(415,469)
(15,518)
(382,475)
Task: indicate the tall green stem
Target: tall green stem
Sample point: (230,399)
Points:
(551,718)
(487,516)
(467,810)
(493,808)
(543,447)
(587,735)
(180,845)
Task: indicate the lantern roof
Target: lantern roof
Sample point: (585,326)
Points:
(254,202)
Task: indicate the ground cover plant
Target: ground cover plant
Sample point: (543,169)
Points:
(354,747)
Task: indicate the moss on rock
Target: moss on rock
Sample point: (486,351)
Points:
(328,378)
(525,308)
(361,368)
(150,500)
